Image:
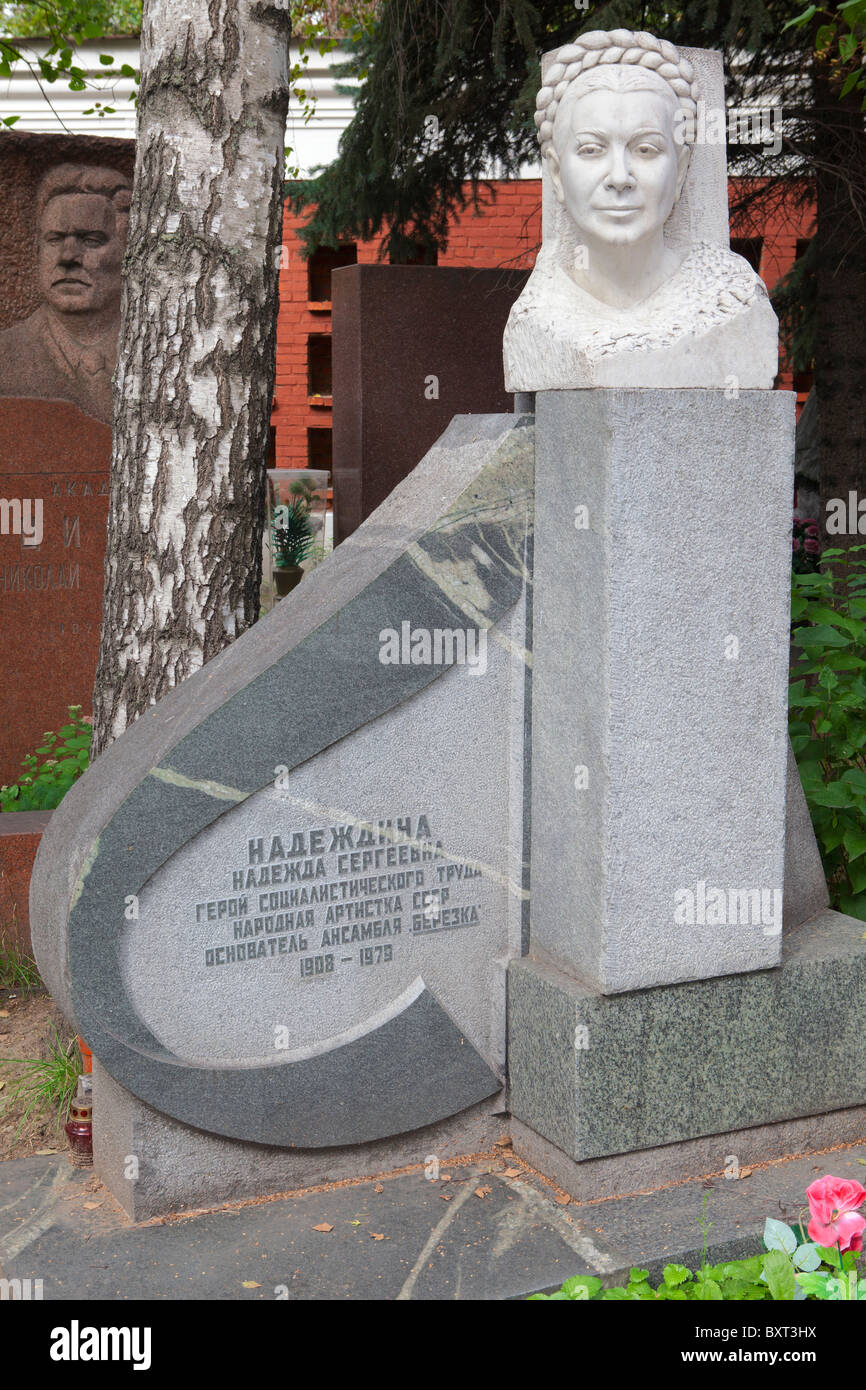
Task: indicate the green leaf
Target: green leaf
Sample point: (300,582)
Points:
(676,1274)
(709,1292)
(637,1276)
(106,60)
(779,1275)
(801,19)
(806,1257)
(814,1284)
(824,37)
(855,844)
(834,794)
(847,46)
(821,635)
(829,1255)
(581,1287)
(779,1236)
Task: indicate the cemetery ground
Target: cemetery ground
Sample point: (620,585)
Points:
(482,1227)
(30,1024)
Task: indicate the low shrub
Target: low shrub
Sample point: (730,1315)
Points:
(791,1267)
(50,771)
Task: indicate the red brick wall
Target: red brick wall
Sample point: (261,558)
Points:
(20,833)
(506,232)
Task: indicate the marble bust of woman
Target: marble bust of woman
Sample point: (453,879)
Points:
(611,302)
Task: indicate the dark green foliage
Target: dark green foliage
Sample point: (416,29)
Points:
(473,68)
(828,717)
(293,535)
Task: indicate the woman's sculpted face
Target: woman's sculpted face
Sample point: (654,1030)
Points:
(618,170)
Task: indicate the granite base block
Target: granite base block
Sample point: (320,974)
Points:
(599,1075)
(154,1165)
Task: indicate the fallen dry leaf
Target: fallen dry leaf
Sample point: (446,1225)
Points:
(91,1206)
(250,1284)
(746,1172)
(323,1226)
(482,1191)
(378,1187)
(444,1177)
(446,1196)
(512,1172)
(563,1199)
(378,1235)
(4,1013)
(43,1153)
(2,1084)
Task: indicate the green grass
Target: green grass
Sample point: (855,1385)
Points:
(44,1085)
(17,970)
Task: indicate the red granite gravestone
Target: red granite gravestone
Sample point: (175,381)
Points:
(413,346)
(65,206)
(51,593)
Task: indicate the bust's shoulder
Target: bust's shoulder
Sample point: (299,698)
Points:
(710,271)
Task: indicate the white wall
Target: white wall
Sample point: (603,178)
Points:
(21,95)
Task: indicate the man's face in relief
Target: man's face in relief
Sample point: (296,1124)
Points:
(79,254)
(618,168)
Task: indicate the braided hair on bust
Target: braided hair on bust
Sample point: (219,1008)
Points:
(623,48)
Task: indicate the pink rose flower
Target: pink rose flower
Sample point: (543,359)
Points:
(833,1204)
(811,546)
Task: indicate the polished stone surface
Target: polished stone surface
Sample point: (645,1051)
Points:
(50,594)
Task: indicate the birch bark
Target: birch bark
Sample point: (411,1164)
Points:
(195,376)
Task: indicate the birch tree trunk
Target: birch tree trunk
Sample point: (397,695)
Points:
(195,374)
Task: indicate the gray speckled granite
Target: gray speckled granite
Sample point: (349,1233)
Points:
(685,1060)
(687,549)
(448,550)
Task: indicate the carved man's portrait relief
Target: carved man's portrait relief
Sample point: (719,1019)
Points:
(611,300)
(67,349)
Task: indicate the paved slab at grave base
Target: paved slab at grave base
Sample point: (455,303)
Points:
(395,1239)
(738,1151)
(180,1167)
(600,1075)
